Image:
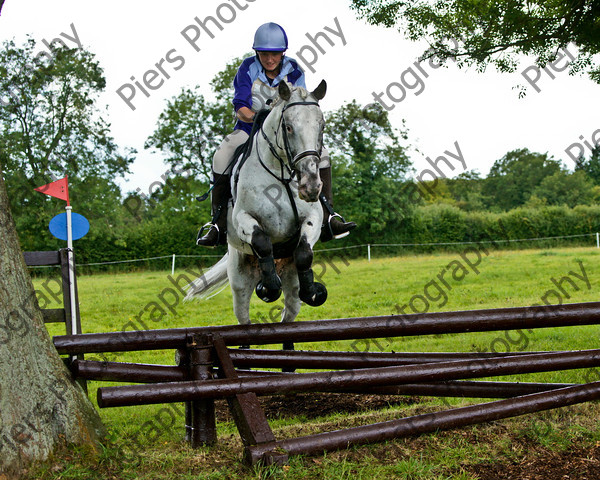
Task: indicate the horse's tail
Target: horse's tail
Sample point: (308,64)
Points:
(212,282)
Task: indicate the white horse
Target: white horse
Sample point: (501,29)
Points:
(276,212)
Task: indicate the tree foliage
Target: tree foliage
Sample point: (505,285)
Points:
(50,127)
(50,123)
(514,177)
(191,127)
(495,32)
(370,167)
(565,188)
(591,166)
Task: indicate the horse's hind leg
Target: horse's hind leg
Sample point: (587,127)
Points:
(242,278)
(311,292)
(291,288)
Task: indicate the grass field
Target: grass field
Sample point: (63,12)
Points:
(473,279)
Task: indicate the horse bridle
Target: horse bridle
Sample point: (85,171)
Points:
(292,159)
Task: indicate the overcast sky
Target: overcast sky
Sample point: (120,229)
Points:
(442,107)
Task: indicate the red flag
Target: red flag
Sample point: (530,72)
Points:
(58,189)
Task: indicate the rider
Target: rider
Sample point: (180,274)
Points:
(255,84)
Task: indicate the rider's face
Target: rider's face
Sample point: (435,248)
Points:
(270,60)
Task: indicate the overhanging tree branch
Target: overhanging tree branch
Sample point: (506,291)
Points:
(495,33)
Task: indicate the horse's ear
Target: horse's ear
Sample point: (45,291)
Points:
(284,91)
(320,91)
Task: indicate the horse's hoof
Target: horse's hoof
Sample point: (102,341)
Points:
(267,295)
(316,295)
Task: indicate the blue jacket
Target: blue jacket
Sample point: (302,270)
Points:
(253,88)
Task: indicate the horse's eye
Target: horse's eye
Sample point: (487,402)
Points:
(289,129)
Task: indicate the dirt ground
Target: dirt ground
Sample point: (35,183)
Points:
(576,464)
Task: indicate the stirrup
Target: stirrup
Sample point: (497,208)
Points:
(326,230)
(208,226)
(339,235)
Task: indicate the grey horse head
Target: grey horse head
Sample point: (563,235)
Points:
(303,126)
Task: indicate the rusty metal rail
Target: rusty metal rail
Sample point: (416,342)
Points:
(313,444)
(141,373)
(341,329)
(431,372)
(315,360)
(145,373)
(127,372)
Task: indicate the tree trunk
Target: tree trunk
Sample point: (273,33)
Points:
(41,408)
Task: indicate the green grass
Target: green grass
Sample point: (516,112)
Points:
(115,302)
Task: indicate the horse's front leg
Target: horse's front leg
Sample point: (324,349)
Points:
(311,292)
(249,231)
(269,286)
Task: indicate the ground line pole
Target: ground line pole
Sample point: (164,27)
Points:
(173,266)
(453,418)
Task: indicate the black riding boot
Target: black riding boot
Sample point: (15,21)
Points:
(217,228)
(334,225)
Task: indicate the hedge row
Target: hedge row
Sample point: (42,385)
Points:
(439,223)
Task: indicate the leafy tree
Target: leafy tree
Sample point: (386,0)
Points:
(437,191)
(49,127)
(514,177)
(591,166)
(564,188)
(191,128)
(466,189)
(496,31)
(370,167)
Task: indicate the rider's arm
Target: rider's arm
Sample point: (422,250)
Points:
(242,98)
(245,114)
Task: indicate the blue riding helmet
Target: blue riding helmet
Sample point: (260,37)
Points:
(270,37)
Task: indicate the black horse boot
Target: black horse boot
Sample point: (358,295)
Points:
(334,225)
(217,228)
